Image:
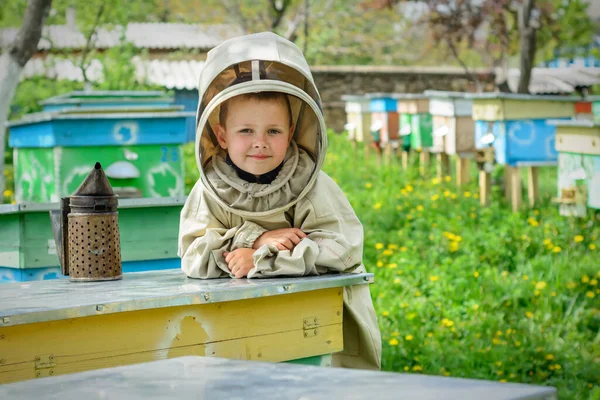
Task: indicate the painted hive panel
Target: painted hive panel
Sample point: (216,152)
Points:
(10,241)
(488,110)
(581,140)
(443,128)
(441,107)
(465,136)
(352,125)
(35,179)
(378,126)
(422,131)
(405,130)
(146,171)
(383,105)
(535,109)
(482,139)
(530,141)
(578,180)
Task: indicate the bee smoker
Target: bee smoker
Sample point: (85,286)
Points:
(86,231)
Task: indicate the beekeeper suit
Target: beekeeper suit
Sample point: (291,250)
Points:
(224,212)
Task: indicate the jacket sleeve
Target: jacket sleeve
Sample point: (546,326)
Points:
(204,236)
(334,243)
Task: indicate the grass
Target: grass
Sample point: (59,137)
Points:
(474,292)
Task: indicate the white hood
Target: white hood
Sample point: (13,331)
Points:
(265,62)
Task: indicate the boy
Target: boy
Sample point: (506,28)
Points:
(262,207)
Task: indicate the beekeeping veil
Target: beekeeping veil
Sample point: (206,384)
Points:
(257,63)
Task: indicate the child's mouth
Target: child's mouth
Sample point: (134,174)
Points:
(259,157)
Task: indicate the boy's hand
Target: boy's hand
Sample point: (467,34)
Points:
(283,239)
(239,261)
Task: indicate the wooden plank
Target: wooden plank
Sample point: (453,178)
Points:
(516,188)
(443,165)
(405,159)
(462,171)
(507,182)
(532,185)
(424,161)
(269,329)
(485,187)
(581,143)
(516,109)
(10,234)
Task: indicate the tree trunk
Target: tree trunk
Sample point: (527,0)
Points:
(12,63)
(527,33)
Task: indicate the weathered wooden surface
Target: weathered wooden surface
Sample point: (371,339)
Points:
(216,378)
(24,303)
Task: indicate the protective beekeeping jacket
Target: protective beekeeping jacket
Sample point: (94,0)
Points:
(224,212)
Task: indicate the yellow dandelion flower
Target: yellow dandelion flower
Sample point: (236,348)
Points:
(429,334)
(447,178)
(476,274)
(420,208)
(411,316)
(525,277)
(433,278)
(403,305)
(502,380)
(518,344)
(476,196)
(590,294)
(578,239)
(556,249)
(368,185)
(550,357)
(475,306)
(406,368)
(592,246)
(594,282)
(392,265)
(571,285)
(498,333)
(397,280)
(379,246)
(393,342)
(557,366)
(453,196)
(504,273)
(395,334)
(553,294)
(409,188)
(379,264)
(467,194)
(417,293)
(409,337)
(540,285)
(436,181)
(447,193)
(387,252)
(496,341)
(547,242)
(403,249)
(498,363)
(417,368)
(399,208)
(385,313)
(529,314)
(435,197)
(377,206)
(8,193)
(585,279)
(453,247)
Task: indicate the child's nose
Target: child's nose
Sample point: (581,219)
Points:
(260,141)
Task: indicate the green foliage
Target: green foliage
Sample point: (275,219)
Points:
(474,292)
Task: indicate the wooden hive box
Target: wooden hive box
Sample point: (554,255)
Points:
(453,127)
(60,327)
(578,145)
(516,127)
(358,117)
(384,117)
(139,146)
(28,251)
(416,121)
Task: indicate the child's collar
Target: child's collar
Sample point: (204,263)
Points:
(265,178)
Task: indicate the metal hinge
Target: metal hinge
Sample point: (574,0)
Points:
(44,365)
(310,328)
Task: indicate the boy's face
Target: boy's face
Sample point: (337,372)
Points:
(256,134)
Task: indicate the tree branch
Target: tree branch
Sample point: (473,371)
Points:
(26,42)
(88,44)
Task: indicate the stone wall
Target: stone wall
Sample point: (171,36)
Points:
(333,82)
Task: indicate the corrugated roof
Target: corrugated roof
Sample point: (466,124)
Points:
(142,35)
(171,74)
(556,80)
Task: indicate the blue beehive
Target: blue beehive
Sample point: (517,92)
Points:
(515,125)
(139,142)
(384,118)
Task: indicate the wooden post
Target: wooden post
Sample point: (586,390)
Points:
(423,162)
(507,181)
(405,159)
(387,153)
(462,171)
(442,165)
(485,187)
(516,188)
(532,185)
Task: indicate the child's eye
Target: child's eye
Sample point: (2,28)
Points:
(246,130)
(274,131)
